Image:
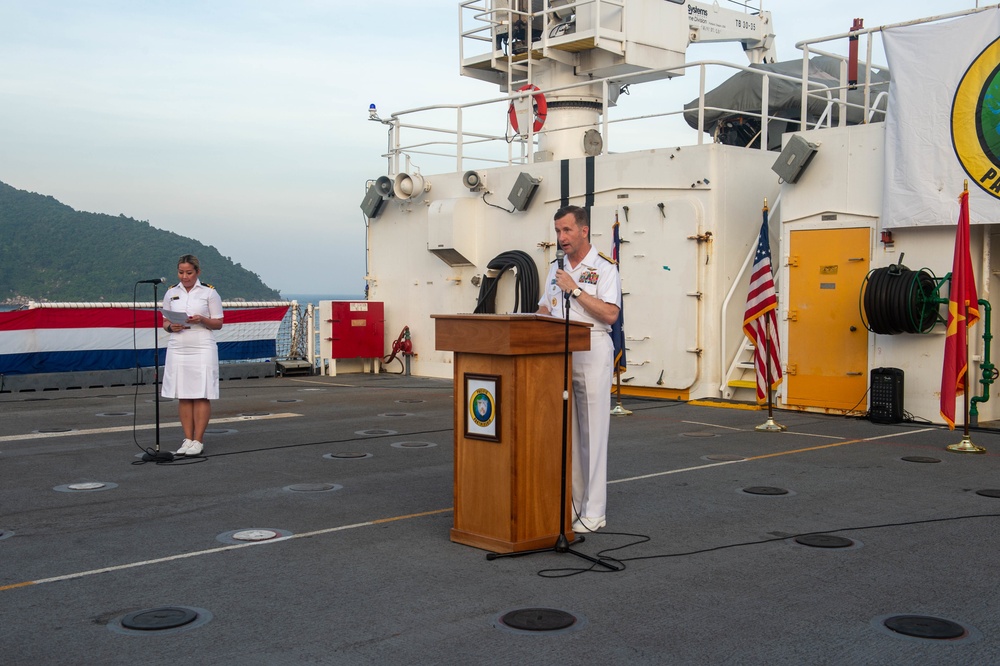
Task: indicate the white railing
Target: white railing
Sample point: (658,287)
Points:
(456,137)
(443,130)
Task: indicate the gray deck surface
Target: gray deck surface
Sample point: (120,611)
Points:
(368,574)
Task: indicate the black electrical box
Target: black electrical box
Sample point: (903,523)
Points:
(886,403)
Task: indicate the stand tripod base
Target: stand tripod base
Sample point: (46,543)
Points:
(561,546)
(618,410)
(158,456)
(770,426)
(965,446)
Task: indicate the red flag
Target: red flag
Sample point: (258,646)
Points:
(760,323)
(963,312)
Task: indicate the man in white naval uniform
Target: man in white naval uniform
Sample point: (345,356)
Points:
(594,292)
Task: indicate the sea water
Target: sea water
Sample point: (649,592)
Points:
(303,299)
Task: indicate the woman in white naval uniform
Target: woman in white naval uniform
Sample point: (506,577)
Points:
(594,288)
(191,373)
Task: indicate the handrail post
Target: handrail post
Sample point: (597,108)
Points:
(701,104)
(765,91)
(803,111)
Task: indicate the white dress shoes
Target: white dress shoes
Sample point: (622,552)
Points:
(190,447)
(584,524)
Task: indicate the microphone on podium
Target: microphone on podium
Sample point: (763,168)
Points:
(153,281)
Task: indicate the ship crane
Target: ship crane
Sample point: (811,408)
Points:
(539,51)
(709,22)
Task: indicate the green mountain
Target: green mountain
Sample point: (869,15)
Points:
(50,252)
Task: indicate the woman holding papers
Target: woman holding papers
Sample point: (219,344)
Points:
(191,312)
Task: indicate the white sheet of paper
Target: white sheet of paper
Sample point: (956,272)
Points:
(175,317)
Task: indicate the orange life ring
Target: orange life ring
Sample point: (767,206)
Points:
(541,108)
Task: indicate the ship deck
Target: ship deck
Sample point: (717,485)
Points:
(352,476)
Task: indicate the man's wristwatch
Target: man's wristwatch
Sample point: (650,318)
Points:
(576,292)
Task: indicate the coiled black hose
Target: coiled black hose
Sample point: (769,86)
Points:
(526,285)
(895,299)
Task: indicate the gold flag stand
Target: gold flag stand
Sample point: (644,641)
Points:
(769,425)
(966,445)
(618,410)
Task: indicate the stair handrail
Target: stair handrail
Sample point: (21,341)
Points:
(729,296)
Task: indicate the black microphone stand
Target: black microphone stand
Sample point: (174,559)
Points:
(562,543)
(157,455)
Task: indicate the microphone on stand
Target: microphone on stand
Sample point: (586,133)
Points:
(156,455)
(561,261)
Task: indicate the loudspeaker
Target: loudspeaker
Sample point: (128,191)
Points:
(474,180)
(373,201)
(794,159)
(384,186)
(886,401)
(523,190)
(410,186)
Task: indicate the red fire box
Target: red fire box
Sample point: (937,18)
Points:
(357,329)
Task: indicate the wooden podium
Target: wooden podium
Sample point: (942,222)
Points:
(508,417)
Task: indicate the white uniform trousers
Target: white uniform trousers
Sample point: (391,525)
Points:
(591,423)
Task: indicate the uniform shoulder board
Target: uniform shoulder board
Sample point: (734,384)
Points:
(607,258)
(175,286)
(205,284)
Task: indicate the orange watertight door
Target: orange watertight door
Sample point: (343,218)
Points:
(827,342)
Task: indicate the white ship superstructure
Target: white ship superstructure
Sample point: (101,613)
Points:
(460,197)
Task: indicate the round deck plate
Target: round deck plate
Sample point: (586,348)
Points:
(925,626)
(157,619)
(313,487)
(824,541)
(414,445)
(538,619)
(765,490)
(347,455)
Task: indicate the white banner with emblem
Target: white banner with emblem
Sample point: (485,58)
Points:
(943,121)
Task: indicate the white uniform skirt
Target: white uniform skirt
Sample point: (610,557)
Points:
(192,366)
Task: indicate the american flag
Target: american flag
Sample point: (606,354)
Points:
(618,328)
(760,323)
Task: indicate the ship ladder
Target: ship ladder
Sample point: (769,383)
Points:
(741,380)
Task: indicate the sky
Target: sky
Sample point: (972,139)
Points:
(244,124)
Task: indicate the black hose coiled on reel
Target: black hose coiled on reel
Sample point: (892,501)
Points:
(526,286)
(895,299)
